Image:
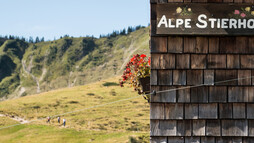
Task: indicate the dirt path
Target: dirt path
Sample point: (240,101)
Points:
(16,118)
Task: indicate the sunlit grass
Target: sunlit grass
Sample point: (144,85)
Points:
(110,123)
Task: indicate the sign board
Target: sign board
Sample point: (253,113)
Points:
(204,19)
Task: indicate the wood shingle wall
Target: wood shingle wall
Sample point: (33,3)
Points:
(216,112)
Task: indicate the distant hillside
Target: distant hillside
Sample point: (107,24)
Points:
(27,68)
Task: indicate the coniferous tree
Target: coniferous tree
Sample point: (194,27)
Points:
(37,40)
(31,40)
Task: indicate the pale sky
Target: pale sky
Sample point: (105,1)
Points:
(54,18)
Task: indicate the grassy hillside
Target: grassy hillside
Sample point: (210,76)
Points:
(111,123)
(67,62)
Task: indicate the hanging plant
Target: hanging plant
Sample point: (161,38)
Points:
(137,74)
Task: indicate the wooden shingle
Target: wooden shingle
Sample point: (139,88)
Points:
(175,140)
(191,111)
(234,127)
(184,127)
(226,77)
(183,61)
(207,140)
(250,111)
(174,111)
(239,111)
(175,44)
(189,44)
(247,61)
(183,95)
(198,61)
(158,140)
(165,97)
(199,94)
(165,77)
(153,80)
(209,77)
(228,45)
(159,45)
(163,61)
(213,128)
(233,61)
(179,77)
(251,128)
(238,94)
(199,127)
(226,110)
(216,61)
(218,94)
(214,44)
(194,77)
(208,111)
(192,139)
(167,128)
(157,111)
(244,77)
(154,128)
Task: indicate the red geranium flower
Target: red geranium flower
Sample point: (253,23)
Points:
(143,56)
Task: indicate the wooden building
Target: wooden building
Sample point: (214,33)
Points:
(214,97)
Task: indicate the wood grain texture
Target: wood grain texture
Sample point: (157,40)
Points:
(198,61)
(228,45)
(189,44)
(167,127)
(233,61)
(183,61)
(165,97)
(207,140)
(225,111)
(250,111)
(154,128)
(251,128)
(213,128)
(218,94)
(239,111)
(157,111)
(179,77)
(214,45)
(192,139)
(199,127)
(159,44)
(234,128)
(191,111)
(184,127)
(209,77)
(238,94)
(175,44)
(153,79)
(183,95)
(165,77)
(247,61)
(244,77)
(226,77)
(208,111)
(163,61)
(199,95)
(175,140)
(194,77)
(216,61)
(174,111)
(158,140)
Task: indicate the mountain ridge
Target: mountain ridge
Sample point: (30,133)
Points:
(30,68)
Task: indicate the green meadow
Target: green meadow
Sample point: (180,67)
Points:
(97,121)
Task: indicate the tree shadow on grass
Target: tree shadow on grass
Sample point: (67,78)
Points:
(110,84)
